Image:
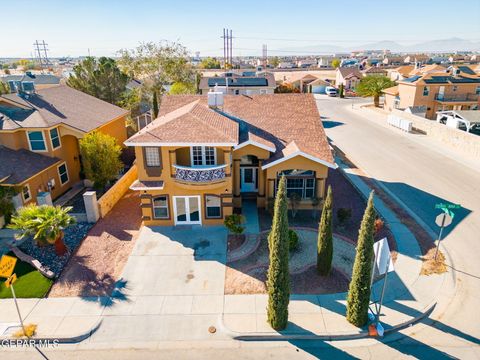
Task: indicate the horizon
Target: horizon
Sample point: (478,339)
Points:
(102,29)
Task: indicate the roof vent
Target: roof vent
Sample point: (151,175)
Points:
(215,99)
(28,87)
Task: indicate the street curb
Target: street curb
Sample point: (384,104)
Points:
(60,340)
(327,337)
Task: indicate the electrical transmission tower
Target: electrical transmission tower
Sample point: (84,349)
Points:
(41,53)
(264,56)
(227,48)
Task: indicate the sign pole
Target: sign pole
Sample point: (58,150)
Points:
(18,309)
(440,237)
(371,281)
(383,290)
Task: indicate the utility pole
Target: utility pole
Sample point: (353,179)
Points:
(227,47)
(264,56)
(41,52)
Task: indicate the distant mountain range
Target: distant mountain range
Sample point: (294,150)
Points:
(438,46)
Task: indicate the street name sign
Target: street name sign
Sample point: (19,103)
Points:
(443,219)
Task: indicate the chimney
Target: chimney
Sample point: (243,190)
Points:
(215,99)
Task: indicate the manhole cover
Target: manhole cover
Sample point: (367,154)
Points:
(212,329)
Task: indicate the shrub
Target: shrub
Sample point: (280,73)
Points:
(343,215)
(233,224)
(292,240)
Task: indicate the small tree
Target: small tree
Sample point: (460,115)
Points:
(373,85)
(341,90)
(335,63)
(325,237)
(45,223)
(100,158)
(181,88)
(278,277)
(359,290)
(155,105)
(234,224)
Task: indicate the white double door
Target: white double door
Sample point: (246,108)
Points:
(187,210)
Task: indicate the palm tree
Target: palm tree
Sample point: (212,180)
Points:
(373,85)
(45,223)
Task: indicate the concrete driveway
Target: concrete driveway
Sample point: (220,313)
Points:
(171,288)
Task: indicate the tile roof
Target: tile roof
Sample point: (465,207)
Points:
(19,165)
(37,79)
(349,72)
(191,123)
(59,105)
(391,90)
(262,80)
(273,119)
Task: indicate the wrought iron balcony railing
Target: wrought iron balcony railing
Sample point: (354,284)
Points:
(200,174)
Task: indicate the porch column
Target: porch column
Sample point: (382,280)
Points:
(226,161)
(320,188)
(236,177)
(261,179)
(173,160)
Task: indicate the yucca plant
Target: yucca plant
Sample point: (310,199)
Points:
(44,223)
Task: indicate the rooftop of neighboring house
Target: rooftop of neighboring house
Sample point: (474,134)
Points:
(374,70)
(284,124)
(53,106)
(37,79)
(454,77)
(347,72)
(391,90)
(263,79)
(20,165)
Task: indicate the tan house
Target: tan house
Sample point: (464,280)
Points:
(348,76)
(457,89)
(204,154)
(39,133)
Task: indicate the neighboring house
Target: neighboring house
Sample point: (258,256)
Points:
(416,59)
(375,71)
(39,133)
(40,81)
(301,81)
(348,76)
(439,91)
(246,83)
(205,154)
(391,60)
(407,71)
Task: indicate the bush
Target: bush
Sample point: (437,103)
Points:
(292,240)
(343,215)
(232,223)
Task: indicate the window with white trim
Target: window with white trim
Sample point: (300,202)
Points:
(55,138)
(426,91)
(203,155)
(301,182)
(213,207)
(36,141)
(152,156)
(160,207)
(27,195)
(63,173)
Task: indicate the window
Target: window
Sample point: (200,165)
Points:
(213,206)
(301,182)
(426,91)
(55,138)
(36,141)
(63,173)
(203,155)
(477,90)
(160,207)
(26,193)
(455,87)
(152,156)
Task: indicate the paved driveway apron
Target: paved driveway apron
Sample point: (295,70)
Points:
(171,288)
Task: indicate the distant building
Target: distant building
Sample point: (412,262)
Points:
(40,81)
(348,76)
(242,83)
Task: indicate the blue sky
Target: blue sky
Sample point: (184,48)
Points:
(104,26)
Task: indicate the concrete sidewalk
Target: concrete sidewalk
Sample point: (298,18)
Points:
(408,297)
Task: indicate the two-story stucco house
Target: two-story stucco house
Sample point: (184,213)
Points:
(204,153)
(39,134)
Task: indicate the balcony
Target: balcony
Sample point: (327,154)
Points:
(456,98)
(200,175)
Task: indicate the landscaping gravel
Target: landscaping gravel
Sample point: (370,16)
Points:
(46,254)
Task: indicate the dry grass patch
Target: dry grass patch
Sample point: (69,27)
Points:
(27,331)
(430,265)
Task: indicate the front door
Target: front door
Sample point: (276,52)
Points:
(248,179)
(187,210)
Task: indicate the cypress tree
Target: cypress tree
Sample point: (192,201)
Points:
(359,290)
(155,105)
(342,91)
(278,277)
(325,238)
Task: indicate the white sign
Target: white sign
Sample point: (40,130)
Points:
(383,260)
(443,219)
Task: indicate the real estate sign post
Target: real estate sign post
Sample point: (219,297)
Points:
(7,264)
(443,220)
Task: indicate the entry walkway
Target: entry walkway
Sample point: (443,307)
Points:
(250,213)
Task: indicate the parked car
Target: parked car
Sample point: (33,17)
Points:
(331,91)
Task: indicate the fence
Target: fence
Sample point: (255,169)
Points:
(454,138)
(116,192)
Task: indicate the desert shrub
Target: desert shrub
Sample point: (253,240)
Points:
(292,240)
(233,224)
(343,215)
